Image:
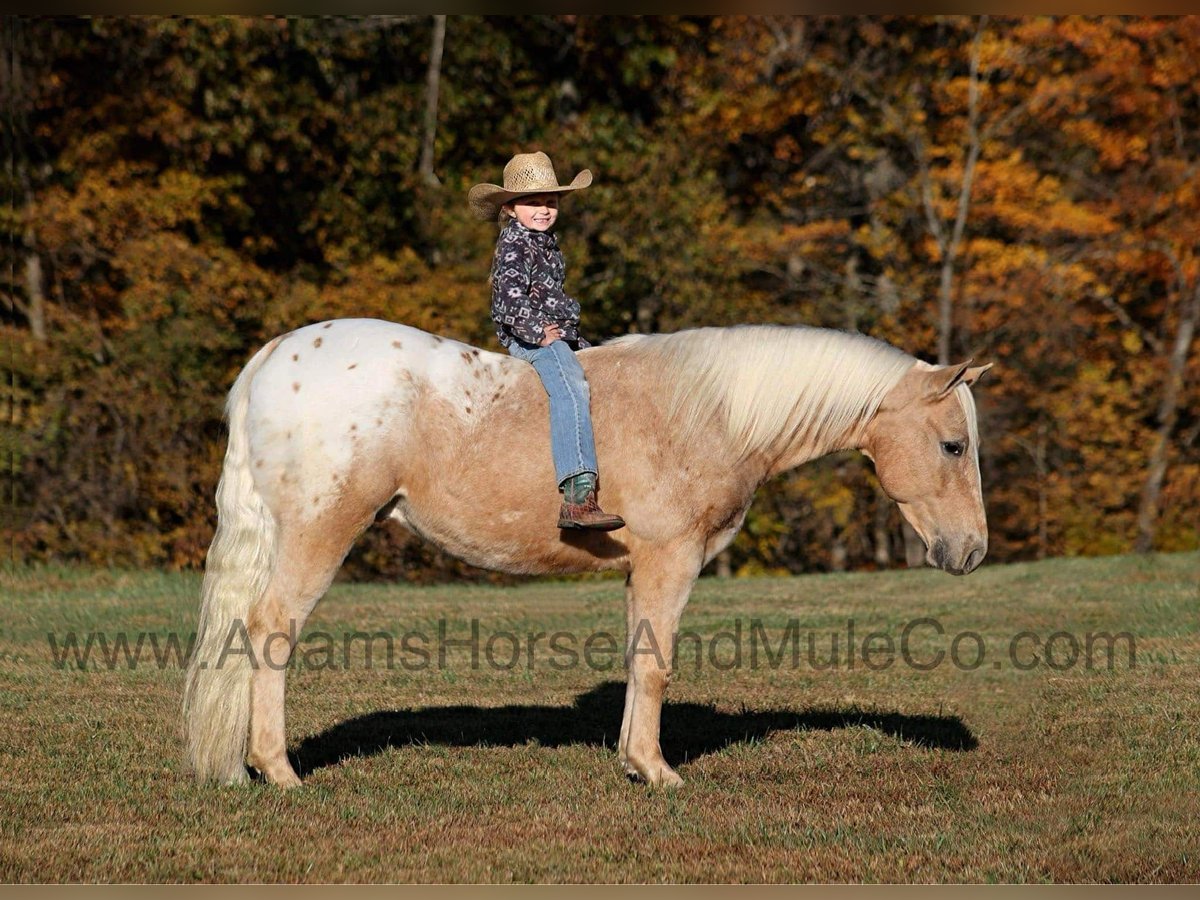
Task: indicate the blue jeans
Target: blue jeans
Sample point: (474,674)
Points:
(571,440)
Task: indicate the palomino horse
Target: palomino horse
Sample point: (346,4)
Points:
(340,423)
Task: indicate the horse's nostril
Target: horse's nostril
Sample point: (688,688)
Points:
(973,560)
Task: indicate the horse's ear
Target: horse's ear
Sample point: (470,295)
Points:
(974,373)
(947,378)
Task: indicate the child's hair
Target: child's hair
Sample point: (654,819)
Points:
(504,218)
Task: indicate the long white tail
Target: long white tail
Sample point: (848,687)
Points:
(216,697)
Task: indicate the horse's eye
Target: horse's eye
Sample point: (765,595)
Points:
(953,448)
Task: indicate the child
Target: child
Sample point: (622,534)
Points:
(539,324)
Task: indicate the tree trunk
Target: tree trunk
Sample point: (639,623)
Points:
(35,297)
(1043,503)
(724,564)
(646,314)
(16,96)
(914,547)
(951,244)
(1168,414)
(881,533)
(838,554)
(432,81)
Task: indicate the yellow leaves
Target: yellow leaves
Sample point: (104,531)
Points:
(450,300)
(769,241)
(1131,341)
(108,207)
(873,33)
(838,500)
(775,171)
(1000,52)
(1013,194)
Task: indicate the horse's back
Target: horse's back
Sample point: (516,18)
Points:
(339,397)
(359,353)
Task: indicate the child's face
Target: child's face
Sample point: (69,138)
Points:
(537,212)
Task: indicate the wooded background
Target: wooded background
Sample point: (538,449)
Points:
(1024,191)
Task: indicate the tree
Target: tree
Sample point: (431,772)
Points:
(1020,190)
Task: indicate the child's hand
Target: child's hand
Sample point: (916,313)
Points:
(552,333)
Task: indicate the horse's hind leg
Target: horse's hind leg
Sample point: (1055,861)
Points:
(630,627)
(304,567)
(658,592)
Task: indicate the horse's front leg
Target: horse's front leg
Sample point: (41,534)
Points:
(657,592)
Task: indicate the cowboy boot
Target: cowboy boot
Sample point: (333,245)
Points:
(580,509)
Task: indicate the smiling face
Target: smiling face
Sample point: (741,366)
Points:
(924,443)
(537,212)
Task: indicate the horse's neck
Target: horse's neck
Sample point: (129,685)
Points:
(792,450)
(791,453)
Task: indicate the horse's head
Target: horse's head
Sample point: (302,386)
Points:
(925,446)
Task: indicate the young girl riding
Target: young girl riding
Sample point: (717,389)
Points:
(538,323)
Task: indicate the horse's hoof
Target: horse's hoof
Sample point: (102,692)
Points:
(281,776)
(658,775)
(668,778)
(287,781)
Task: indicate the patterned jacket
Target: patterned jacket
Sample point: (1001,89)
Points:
(527,288)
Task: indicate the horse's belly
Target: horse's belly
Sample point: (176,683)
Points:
(523,541)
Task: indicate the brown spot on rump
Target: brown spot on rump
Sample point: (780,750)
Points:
(397,345)
(475,353)
(258,464)
(351,366)
(467,357)
(436,339)
(317,342)
(379,421)
(296,388)
(327,325)
(295,357)
(354,426)
(468,410)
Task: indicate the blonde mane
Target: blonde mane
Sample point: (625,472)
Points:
(771,381)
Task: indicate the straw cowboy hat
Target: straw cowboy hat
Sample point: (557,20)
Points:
(526,173)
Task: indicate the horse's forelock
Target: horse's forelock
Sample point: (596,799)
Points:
(967,399)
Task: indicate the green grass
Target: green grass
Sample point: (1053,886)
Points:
(449,773)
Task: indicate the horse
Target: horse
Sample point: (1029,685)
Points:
(342,423)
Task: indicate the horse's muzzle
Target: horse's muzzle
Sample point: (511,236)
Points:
(964,562)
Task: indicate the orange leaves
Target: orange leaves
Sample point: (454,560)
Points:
(198,185)
(769,243)
(1012,194)
(107,207)
(452,301)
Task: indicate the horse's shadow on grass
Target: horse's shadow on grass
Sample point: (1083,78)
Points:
(689,730)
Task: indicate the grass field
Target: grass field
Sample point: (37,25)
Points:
(1033,766)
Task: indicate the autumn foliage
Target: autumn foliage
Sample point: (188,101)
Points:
(1023,191)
